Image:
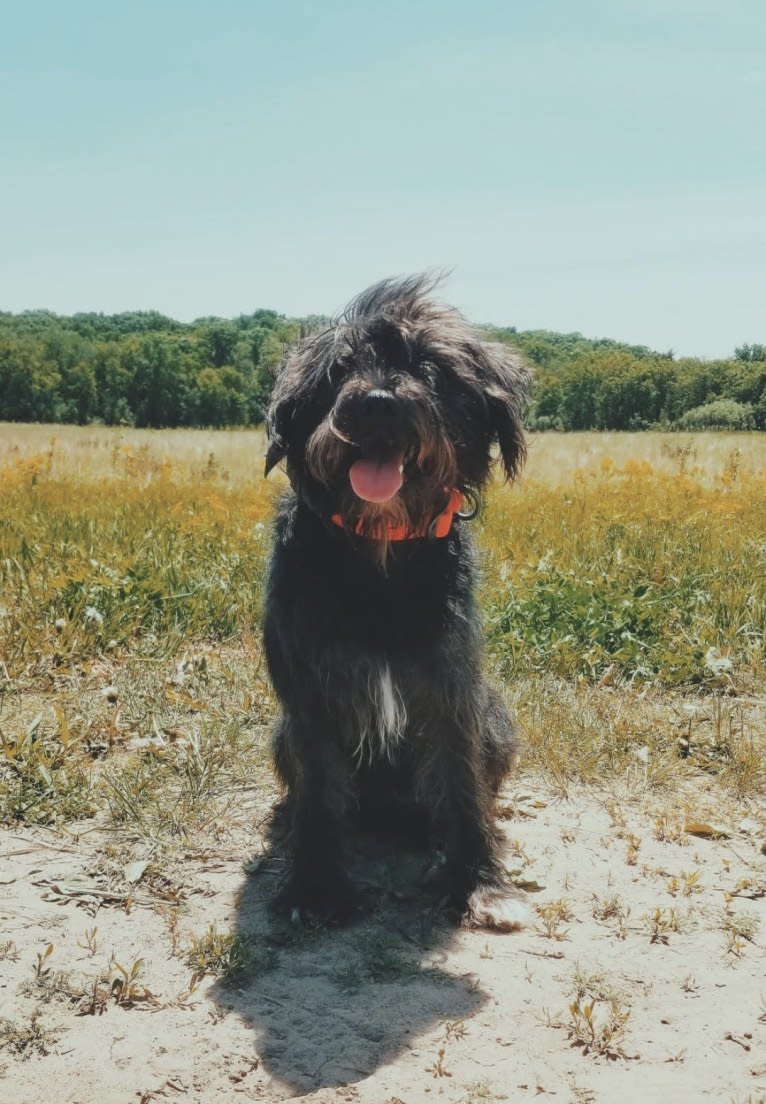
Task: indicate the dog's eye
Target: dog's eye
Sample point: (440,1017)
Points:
(336,373)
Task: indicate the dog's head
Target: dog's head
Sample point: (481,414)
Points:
(396,406)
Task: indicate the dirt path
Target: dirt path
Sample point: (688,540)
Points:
(641,977)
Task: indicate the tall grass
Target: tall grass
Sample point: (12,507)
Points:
(646,569)
(619,565)
(91,565)
(627,570)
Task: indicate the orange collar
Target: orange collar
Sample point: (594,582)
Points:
(439,527)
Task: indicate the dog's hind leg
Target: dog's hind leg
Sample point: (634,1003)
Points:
(499,745)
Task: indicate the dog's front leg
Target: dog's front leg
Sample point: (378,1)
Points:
(453,780)
(317,779)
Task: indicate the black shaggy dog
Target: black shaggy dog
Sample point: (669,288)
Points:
(387,421)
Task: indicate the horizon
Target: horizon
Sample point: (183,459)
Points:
(590,169)
(208,318)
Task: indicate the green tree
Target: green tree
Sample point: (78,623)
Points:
(159,380)
(29,384)
(220,397)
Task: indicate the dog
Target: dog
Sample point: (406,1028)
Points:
(387,421)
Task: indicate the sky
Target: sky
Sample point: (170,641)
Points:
(589,165)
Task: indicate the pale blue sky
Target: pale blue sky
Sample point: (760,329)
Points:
(592,165)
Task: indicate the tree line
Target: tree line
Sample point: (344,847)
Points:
(140,368)
(144,369)
(602,384)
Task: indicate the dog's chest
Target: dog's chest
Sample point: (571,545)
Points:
(407,609)
(379,713)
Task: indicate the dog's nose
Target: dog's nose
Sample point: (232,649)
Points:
(378,405)
(379,399)
(377,414)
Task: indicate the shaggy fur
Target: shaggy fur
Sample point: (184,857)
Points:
(374,643)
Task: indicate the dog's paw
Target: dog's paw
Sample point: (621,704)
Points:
(333,901)
(497,908)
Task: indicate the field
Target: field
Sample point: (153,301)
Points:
(624,598)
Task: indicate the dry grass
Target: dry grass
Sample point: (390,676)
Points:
(705,457)
(236,455)
(625,602)
(102,453)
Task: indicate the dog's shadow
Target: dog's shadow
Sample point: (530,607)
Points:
(331,1005)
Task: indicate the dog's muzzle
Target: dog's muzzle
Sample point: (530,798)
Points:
(374,422)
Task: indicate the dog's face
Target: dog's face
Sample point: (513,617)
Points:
(398,404)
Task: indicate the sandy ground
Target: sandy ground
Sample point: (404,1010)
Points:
(646,928)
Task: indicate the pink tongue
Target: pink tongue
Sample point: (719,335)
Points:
(375,480)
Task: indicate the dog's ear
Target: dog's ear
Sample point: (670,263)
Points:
(300,378)
(278,420)
(506,386)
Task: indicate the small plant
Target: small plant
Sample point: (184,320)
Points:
(47,984)
(94,997)
(631,855)
(26,1039)
(51,985)
(439,1069)
(384,960)
(690,984)
(454,1029)
(45,775)
(552,916)
(184,998)
(739,931)
(662,922)
(479,1092)
(598,1027)
(607,908)
(744,887)
(124,986)
(684,884)
(41,970)
(88,942)
(612,908)
(598,1017)
(616,814)
(169,913)
(380,958)
(670,828)
(220,953)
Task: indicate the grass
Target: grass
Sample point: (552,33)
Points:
(92,568)
(599,1015)
(624,599)
(221,954)
(379,958)
(28,1038)
(631,574)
